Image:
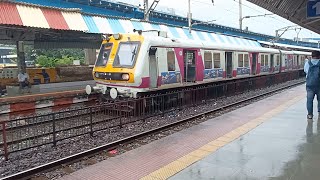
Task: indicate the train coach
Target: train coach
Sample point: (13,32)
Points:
(132,64)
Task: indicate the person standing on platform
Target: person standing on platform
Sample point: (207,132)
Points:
(23,79)
(312,70)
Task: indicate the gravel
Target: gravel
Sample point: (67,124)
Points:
(37,156)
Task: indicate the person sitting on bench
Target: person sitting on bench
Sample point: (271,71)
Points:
(23,79)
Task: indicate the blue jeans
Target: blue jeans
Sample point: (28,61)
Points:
(310,96)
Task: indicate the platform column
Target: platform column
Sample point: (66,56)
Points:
(21,61)
(90,56)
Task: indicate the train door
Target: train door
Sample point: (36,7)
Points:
(272,63)
(153,68)
(254,63)
(297,62)
(228,64)
(282,59)
(189,66)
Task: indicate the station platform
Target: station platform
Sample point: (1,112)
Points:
(268,139)
(51,98)
(54,87)
(65,86)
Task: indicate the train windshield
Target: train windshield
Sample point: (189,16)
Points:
(126,55)
(104,54)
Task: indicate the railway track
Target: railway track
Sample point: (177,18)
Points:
(35,131)
(110,146)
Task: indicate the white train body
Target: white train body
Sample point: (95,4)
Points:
(130,64)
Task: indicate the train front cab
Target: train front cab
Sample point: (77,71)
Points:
(115,67)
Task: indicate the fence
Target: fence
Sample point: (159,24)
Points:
(30,132)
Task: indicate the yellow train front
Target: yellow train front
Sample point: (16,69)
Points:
(116,71)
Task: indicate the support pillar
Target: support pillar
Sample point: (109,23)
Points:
(21,61)
(90,56)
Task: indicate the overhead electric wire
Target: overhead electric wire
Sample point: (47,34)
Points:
(207,2)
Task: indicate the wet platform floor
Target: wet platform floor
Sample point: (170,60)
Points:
(285,147)
(268,139)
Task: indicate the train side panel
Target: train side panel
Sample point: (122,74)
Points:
(242,64)
(213,64)
(264,63)
(169,69)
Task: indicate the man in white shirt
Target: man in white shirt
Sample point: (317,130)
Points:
(23,79)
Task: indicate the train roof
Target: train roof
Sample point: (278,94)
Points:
(297,48)
(296,52)
(207,41)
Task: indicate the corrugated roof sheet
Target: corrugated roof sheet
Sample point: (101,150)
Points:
(32,16)
(147,25)
(116,26)
(55,19)
(165,28)
(102,24)
(75,21)
(127,24)
(91,24)
(59,19)
(9,14)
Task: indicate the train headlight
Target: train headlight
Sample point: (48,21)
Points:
(125,77)
(96,75)
(117,36)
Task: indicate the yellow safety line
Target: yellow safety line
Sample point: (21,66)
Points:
(178,165)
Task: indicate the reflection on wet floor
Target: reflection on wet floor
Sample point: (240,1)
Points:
(285,147)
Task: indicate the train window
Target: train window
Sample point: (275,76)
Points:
(208,60)
(262,60)
(278,60)
(240,60)
(266,60)
(104,54)
(216,58)
(246,60)
(126,54)
(171,61)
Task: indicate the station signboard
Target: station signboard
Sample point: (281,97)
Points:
(313,9)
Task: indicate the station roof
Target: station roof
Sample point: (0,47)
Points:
(22,14)
(71,27)
(292,10)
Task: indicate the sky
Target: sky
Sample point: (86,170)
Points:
(226,12)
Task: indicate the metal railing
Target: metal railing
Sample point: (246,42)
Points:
(31,132)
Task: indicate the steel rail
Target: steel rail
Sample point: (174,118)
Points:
(88,153)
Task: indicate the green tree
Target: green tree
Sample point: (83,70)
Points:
(53,57)
(59,57)
(45,61)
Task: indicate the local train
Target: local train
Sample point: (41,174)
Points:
(135,63)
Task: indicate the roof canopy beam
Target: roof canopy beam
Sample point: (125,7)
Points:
(297,15)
